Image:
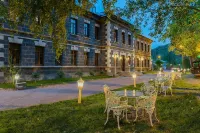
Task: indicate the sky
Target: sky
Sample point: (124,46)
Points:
(144,30)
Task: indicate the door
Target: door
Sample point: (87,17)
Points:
(123,63)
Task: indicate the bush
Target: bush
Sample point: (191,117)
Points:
(35,75)
(102,72)
(79,73)
(92,73)
(60,74)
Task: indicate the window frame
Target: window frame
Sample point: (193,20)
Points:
(123,38)
(129,40)
(97,30)
(74,55)
(96,59)
(86,58)
(86,29)
(17,53)
(38,52)
(73,26)
(115,35)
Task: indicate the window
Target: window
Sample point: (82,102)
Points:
(148,63)
(86,58)
(73,58)
(145,47)
(123,37)
(138,62)
(96,59)
(129,39)
(144,62)
(59,61)
(142,46)
(129,60)
(148,48)
(14,53)
(96,33)
(138,45)
(39,56)
(73,26)
(116,35)
(86,29)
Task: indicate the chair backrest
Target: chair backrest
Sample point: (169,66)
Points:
(111,98)
(147,102)
(148,89)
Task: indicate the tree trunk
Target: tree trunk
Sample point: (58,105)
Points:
(191,60)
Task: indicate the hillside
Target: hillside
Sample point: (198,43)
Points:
(170,57)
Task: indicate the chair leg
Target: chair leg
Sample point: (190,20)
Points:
(171,91)
(127,116)
(156,115)
(118,122)
(136,114)
(150,117)
(105,109)
(108,111)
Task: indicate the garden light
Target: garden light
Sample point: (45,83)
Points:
(16,76)
(134,79)
(80,87)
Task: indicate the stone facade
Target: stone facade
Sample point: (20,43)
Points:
(106,47)
(143,60)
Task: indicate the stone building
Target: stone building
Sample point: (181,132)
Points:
(143,60)
(93,43)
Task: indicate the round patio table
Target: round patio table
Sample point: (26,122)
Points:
(129,93)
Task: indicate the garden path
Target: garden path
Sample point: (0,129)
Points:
(10,99)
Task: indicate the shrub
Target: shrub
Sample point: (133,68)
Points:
(60,74)
(10,71)
(92,73)
(35,75)
(79,73)
(102,72)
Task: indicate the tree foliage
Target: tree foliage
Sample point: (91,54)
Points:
(48,17)
(177,20)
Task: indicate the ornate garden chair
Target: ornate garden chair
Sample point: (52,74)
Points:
(115,104)
(167,85)
(147,103)
(148,89)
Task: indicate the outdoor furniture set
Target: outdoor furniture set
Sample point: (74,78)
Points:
(117,102)
(144,99)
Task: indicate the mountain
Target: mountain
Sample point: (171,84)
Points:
(169,57)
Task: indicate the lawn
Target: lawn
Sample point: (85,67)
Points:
(176,114)
(182,83)
(33,84)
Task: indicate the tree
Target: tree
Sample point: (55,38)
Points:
(158,63)
(177,20)
(48,16)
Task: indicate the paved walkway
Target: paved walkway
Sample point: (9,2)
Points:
(10,99)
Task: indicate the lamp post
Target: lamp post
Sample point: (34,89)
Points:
(134,79)
(16,78)
(80,87)
(141,62)
(115,56)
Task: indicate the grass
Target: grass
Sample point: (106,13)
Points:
(182,83)
(176,114)
(33,84)
(150,72)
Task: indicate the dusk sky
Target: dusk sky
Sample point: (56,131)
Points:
(145,30)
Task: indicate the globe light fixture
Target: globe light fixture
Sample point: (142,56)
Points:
(80,88)
(16,76)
